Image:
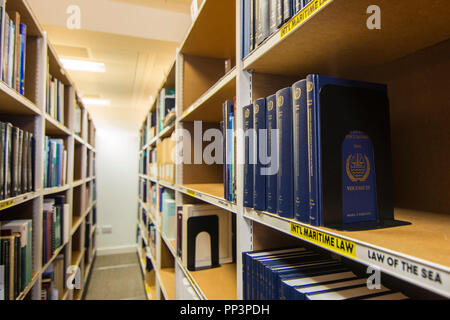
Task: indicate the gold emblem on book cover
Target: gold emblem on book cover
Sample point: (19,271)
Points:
(358,167)
(247,113)
(297,93)
(256,108)
(280,101)
(270,106)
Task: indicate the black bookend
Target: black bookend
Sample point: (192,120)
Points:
(196,225)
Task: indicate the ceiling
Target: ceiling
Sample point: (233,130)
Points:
(135,39)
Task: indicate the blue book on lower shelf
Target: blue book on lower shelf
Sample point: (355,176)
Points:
(249,158)
(272,141)
(259,178)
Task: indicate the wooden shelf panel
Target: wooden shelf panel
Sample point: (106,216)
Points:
(210,280)
(213,33)
(209,192)
(11,202)
(167,277)
(422,245)
(11,102)
(76,257)
(209,107)
(53,127)
(53,190)
(338,43)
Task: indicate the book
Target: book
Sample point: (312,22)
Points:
(350,170)
(280,12)
(259,177)
(262,21)
(246,38)
(285,181)
(22,58)
(249,144)
(344,293)
(300,151)
(272,147)
(8,160)
(2,159)
(288,10)
(252,24)
(16,63)
(15,139)
(228,179)
(169,218)
(273,27)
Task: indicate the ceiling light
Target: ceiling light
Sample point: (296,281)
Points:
(96,102)
(83,65)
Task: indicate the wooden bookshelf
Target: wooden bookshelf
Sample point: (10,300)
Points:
(28,112)
(408,54)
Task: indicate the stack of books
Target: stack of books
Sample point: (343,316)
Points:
(13,39)
(16,262)
(55,99)
(55,167)
(16,161)
(55,226)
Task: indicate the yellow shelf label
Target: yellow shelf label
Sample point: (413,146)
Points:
(301,17)
(6,204)
(324,240)
(191,193)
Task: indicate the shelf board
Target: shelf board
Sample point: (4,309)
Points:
(78,183)
(224,278)
(11,102)
(213,33)
(167,184)
(27,17)
(27,289)
(335,40)
(150,291)
(208,107)
(77,255)
(14,201)
(209,192)
(167,282)
(423,244)
(53,190)
(53,127)
(76,222)
(57,252)
(166,132)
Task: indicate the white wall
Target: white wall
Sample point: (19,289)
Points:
(117,162)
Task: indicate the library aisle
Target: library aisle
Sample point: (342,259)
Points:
(225,150)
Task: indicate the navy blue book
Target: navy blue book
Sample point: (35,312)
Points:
(249,155)
(228,109)
(246,21)
(298,5)
(288,10)
(259,180)
(252,24)
(279,16)
(350,154)
(285,178)
(262,21)
(272,142)
(273,16)
(300,150)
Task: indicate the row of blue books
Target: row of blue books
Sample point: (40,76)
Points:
(261,18)
(228,129)
(325,155)
(55,166)
(303,274)
(13,39)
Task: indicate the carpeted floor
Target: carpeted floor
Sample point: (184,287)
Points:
(116,277)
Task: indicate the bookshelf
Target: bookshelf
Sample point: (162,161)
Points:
(406,54)
(29,113)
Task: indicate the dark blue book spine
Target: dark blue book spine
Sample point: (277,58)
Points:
(258,22)
(298,5)
(273,16)
(246,27)
(252,24)
(300,150)
(23,41)
(279,17)
(265,19)
(313,156)
(272,139)
(259,182)
(248,166)
(285,192)
(287,9)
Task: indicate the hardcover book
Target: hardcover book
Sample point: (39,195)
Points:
(285,192)
(272,146)
(259,179)
(349,154)
(249,155)
(300,150)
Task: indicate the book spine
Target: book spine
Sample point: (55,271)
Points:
(17,266)
(259,182)
(248,165)
(16,72)
(12,28)
(285,206)
(280,19)
(2,159)
(8,160)
(273,16)
(2,34)
(252,25)
(19,162)
(14,165)
(258,23)
(23,44)
(246,38)
(314,217)
(271,179)
(287,10)
(265,19)
(298,5)
(300,140)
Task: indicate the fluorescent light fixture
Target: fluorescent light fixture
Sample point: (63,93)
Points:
(82,65)
(96,102)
